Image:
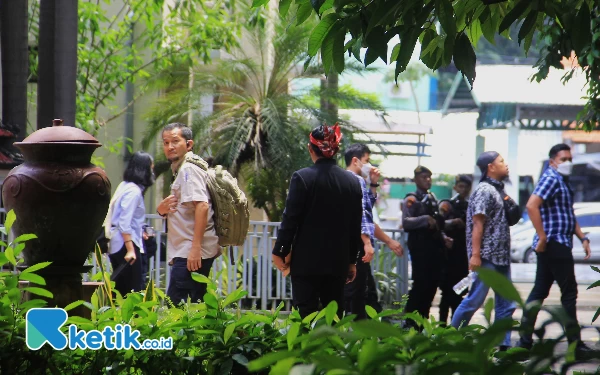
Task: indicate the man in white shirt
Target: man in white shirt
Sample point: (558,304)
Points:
(192,243)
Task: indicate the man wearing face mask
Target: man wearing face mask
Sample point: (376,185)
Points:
(551,212)
(363,291)
(426,240)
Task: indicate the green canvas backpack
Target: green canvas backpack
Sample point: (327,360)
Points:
(230,206)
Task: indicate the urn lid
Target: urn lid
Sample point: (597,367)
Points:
(60,134)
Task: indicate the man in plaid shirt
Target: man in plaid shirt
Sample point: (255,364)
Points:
(551,212)
(363,291)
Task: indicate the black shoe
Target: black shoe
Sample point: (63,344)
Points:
(584,352)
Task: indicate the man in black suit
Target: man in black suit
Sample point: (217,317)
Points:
(322,223)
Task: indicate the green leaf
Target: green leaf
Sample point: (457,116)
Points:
(259,3)
(408,41)
(270,359)
(242,360)
(37,267)
(284,6)
(487,310)
(292,334)
(595,268)
(10,220)
(596,315)
(33,304)
(475,32)
(500,284)
(464,57)
(234,297)
(371,312)
(228,332)
(304,11)
(330,312)
(327,53)
(581,35)
(320,32)
(445,14)
(597,283)
(25,237)
(10,255)
(373,328)
(211,301)
(317,4)
(339,56)
(516,12)
(328,4)
(449,50)
(200,278)
(39,292)
(527,26)
(73,305)
(32,277)
(307,319)
(395,52)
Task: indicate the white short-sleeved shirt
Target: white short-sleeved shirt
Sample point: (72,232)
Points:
(190,186)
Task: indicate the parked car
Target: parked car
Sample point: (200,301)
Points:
(588,217)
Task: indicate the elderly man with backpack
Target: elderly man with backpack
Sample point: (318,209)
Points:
(205,211)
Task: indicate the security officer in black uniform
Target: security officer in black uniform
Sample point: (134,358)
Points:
(426,240)
(456,262)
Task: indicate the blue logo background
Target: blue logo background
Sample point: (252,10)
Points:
(43,326)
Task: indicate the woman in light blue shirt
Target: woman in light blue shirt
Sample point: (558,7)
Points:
(127,220)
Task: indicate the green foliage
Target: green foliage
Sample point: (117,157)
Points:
(567,29)
(130,44)
(216,337)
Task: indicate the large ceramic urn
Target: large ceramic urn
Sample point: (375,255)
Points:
(58,195)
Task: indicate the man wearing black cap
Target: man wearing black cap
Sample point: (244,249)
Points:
(456,263)
(424,225)
(488,239)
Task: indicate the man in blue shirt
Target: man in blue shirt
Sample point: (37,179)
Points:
(363,290)
(551,212)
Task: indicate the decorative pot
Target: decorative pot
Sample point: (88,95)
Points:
(58,195)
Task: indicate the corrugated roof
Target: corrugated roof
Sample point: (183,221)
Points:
(512,84)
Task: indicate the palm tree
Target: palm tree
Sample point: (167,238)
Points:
(257,127)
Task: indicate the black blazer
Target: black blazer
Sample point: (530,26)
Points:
(322,220)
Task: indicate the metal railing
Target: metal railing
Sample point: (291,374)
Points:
(253,271)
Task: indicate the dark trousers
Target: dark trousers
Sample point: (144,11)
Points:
(181,284)
(455,268)
(309,290)
(130,279)
(355,293)
(426,270)
(554,264)
(372,296)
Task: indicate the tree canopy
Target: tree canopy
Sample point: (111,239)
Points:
(448,30)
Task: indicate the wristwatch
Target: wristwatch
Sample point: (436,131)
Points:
(585,239)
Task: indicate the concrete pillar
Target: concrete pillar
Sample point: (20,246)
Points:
(57,70)
(512,158)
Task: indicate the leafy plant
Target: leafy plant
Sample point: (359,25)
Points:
(448,31)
